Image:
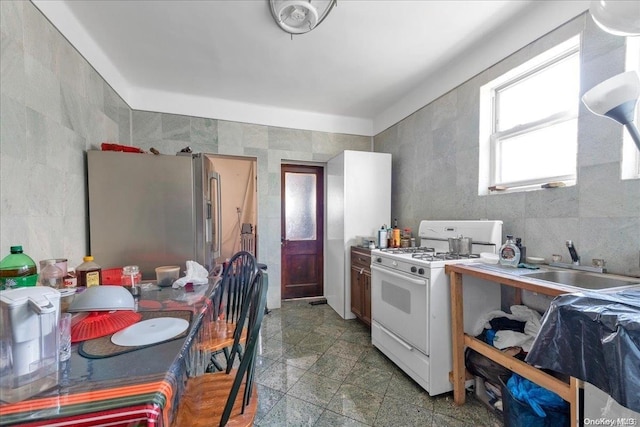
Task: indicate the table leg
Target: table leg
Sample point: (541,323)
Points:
(457,336)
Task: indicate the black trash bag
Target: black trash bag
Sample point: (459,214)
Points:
(595,337)
(484,367)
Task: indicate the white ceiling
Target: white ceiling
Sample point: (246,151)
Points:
(367,66)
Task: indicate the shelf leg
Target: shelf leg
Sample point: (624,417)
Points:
(574,387)
(457,333)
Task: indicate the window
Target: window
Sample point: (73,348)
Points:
(529,122)
(630,153)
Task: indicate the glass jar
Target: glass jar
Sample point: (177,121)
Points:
(51,275)
(131,275)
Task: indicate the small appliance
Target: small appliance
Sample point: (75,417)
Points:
(28,341)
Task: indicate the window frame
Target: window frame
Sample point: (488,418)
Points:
(489,119)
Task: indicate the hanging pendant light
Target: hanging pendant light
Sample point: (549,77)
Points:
(300,16)
(619,17)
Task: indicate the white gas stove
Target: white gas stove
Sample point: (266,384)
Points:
(434,245)
(411,316)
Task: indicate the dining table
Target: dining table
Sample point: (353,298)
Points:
(103,384)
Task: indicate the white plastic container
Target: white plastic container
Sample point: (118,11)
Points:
(28,341)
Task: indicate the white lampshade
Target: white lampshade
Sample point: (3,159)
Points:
(619,17)
(613,92)
(616,98)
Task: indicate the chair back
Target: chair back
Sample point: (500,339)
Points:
(233,290)
(253,311)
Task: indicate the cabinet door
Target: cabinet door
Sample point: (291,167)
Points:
(366,297)
(356,291)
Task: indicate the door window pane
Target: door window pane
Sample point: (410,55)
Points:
(300,206)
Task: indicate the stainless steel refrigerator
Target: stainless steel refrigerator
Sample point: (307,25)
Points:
(153,210)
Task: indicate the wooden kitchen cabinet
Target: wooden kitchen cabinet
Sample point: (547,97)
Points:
(361,283)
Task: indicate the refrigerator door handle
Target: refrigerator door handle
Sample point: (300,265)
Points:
(214,233)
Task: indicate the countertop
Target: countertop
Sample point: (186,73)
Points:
(517,277)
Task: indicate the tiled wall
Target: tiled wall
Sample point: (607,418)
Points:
(435,167)
(53,107)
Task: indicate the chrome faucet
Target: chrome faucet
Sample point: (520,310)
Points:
(597,267)
(572,251)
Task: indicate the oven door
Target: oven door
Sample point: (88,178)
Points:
(399,303)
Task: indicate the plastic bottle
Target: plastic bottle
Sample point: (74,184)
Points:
(17,270)
(88,273)
(523,249)
(509,253)
(396,234)
(51,275)
(382,237)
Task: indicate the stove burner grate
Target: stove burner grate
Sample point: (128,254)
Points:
(442,256)
(413,250)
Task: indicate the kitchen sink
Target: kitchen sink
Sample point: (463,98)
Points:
(584,280)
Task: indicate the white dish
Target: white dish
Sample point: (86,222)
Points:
(150,331)
(535,260)
(102,298)
(489,258)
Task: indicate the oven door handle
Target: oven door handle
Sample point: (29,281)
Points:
(398,340)
(405,277)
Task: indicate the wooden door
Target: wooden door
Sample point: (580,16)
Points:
(302,231)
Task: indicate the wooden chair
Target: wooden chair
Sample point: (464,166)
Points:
(228,398)
(228,300)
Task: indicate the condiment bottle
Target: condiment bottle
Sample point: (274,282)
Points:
(382,237)
(17,270)
(89,273)
(396,234)
(51,275)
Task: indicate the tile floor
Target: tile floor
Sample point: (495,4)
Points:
(316,369)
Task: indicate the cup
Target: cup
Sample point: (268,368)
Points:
(64,326)
(556,257)
(166,275)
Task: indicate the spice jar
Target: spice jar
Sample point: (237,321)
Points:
(131,275)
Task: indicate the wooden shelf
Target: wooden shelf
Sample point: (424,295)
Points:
(568,391)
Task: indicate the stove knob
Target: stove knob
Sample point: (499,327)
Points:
(421,271)
(414,269)
(394,263)
(378,259)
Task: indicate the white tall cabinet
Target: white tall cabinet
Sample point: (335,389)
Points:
(358,203)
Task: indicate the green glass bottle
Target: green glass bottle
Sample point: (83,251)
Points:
(17,270)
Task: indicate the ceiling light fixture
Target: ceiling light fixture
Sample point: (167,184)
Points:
(616,98)
(300,16)
(619,17)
